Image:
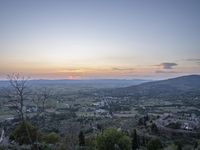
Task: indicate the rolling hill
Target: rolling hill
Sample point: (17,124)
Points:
(161,89)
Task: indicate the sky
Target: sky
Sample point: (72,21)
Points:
(94,39)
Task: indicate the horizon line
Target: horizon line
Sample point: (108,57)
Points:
(93,79)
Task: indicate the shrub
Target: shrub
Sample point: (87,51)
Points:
(52,138)
(112,139)
(25,133)
(154,144)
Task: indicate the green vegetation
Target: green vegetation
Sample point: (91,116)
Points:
(25,133)
(112,139)
(154,144)
(51,138)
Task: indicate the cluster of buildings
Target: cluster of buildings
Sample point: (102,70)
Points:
(187,122)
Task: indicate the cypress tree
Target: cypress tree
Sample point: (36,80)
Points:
(135,143)
(81,139)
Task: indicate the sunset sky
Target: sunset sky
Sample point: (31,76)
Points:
(93,39)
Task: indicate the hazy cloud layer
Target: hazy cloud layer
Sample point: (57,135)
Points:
(167,65)
(195,60)
(123,69)
(161,71)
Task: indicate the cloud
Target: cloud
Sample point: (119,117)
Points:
(123,69)
(161,71)
(167,65)
(77,70)
(195,60)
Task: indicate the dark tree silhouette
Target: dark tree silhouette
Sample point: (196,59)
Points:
(135,140)
(81,139)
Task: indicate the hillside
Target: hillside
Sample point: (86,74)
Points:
(164,88)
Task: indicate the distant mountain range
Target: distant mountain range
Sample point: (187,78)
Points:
(93,83)
(163,88)
(184,85)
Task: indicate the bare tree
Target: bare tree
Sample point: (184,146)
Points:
(37,100)
(40,100)
(45,96)
(16,94)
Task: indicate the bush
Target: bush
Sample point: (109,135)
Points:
(24,132)
(154,144)
(52,138)
(111,139)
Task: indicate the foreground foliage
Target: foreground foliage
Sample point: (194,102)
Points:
(154,144)
(112,139)
(25,133)
(51,138)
